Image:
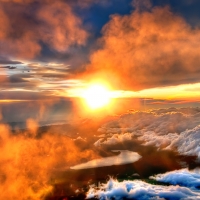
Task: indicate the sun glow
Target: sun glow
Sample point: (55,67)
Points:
(97,96)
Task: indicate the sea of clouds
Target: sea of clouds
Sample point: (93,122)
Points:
(175,129)
(184,184)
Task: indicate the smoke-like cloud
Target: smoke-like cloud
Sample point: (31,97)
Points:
(28,161)
(149,48)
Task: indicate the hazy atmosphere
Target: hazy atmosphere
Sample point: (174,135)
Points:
(99,99)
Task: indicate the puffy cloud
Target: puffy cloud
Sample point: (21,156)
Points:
(25,25)
(182,177)
(188,142)
(175,129)
(114,139)
(147,49)
(162,121)
(140,190)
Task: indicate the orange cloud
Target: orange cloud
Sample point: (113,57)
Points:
(29,164)
(24,26)
(65,26)
(147,49)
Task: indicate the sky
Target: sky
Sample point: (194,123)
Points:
(146,53)
(51,50)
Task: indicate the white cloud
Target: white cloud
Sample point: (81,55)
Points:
(182,177)
(115,138)
(175,129)
(161,121)
(140,190)
(124,157)
(188,143)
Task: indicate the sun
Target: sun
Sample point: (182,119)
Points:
(97,96)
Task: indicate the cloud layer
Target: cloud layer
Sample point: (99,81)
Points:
(176,129)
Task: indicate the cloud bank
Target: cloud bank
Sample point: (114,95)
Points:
(175,129)
(145,49)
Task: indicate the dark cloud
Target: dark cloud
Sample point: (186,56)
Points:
(7,61)
(16,79)
(147,49)
(9,67)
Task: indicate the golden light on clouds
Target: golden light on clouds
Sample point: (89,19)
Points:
(102,91)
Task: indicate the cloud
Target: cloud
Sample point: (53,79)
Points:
(182,177)
(147,49)
(161,121)
(65,26)
(188,142)
(7,61)
(139,190)
(29,163)
(124,157)
(25,25)
(114,139)
(48,78)
(175,129)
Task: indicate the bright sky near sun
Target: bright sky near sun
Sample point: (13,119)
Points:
(96,96)
(173,92)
